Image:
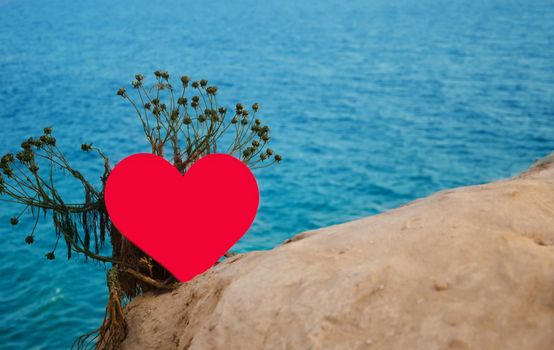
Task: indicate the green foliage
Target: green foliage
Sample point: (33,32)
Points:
(192,124)
(181,126)
(28,179)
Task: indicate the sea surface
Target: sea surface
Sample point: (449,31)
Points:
(372,104)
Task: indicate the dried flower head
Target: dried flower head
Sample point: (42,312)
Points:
(51,141)
(6,159)
(174,115)
(185,80)
(211,90)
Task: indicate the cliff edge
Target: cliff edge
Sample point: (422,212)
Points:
(470,268)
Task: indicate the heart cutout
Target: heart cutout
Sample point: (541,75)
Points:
(184,222)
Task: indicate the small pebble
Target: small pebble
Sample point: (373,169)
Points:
(441,286)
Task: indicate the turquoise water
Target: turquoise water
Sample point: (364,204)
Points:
(371,103)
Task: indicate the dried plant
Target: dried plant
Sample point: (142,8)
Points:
(181,126)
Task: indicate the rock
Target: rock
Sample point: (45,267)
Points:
(368,284)
(441,286)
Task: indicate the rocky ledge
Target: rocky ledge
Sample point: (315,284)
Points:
(470,268)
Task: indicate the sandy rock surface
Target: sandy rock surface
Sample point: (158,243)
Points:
(470,268)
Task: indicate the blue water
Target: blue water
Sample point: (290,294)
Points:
(371,103)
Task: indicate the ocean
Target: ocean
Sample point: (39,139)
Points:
(371,103)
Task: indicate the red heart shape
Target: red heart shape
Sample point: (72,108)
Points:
(186,223)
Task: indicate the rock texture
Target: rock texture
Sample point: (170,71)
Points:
(471,268)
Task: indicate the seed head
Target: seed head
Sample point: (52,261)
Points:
(51,141)
(86,147)
(121,91)
(182,101)
(34,142)
(26,145)
(14,221)
(24,156)
(185,80)
(278,158)
(6,159)
(203,82)
(6,170)
(48,131)
(50,256)
(29,239)
(211,90)
(255,107)
(174,115)
(195,84)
